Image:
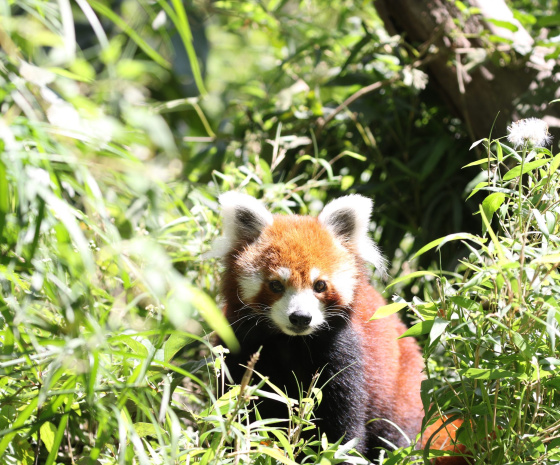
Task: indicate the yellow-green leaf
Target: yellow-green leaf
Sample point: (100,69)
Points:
(214,317)
(499,250)
(283,442)
(410,276)
(515,172)
(550,258)
(276,454)
(174,344)
(48,431)
(491,203)
(424,327)
(484,373)
(443,240)
(387,310)
(145,429)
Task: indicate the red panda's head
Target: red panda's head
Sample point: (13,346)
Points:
(294,271)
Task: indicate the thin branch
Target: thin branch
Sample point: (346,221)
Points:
(360,93)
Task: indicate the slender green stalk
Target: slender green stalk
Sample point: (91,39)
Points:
(519,211)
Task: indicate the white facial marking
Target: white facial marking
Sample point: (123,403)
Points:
(297,301)
(344,282)
(314,274)
(284,273)
(250,286)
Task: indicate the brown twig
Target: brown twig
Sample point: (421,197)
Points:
(355,96)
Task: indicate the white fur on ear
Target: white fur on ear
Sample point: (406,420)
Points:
(348,219)
(244,218)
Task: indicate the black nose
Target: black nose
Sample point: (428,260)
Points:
(300,319)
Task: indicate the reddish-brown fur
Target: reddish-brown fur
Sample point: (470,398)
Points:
(393,366)
(445,439)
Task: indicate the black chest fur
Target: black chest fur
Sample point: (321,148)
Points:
(291,362)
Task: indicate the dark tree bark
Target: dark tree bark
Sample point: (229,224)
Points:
(476,78)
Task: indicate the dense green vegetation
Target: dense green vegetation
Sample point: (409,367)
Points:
(122,121)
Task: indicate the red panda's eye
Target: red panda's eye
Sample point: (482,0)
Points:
(320,286)
(276,286)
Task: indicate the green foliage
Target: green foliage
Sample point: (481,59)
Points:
(93,234)
(122,121)
(497,317)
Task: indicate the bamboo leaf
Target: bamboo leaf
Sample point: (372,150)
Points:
(283,440)
(549,258)
(444,240)
(48,432)
(495,240)
(276,454)
(501,23)
(178,16)
(437,329)
(144,429)
(554,164)
(174,344)
(491,203)
(424,327)
(355,155)
(516,171)
(387,310)
(122,24)
(486,373)
(478,162)
(474,144)
(53,454)
(410,276)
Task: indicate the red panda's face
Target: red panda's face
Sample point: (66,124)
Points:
(295,272)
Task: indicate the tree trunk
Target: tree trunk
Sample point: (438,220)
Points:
(479,80)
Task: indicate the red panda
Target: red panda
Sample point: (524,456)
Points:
(297,286)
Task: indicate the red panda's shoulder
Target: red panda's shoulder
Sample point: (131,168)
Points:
(366,303)
(367,300)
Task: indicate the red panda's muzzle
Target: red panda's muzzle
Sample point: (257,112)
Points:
(300,320)
(298,312)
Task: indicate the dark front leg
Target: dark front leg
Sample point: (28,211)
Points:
(343,408)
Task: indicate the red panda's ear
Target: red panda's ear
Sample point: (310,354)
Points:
(244,218)
(348,219)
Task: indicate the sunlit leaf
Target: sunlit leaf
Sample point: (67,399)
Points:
(387,310)
(548,258)
(491,203)
(437,329)
(48,431)
(516,171)
(444,240)
(276,454)
(144,429)
(486,373)
(174,344)
(423,327)
(479,141)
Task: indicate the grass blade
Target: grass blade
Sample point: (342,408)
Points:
(119,22)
